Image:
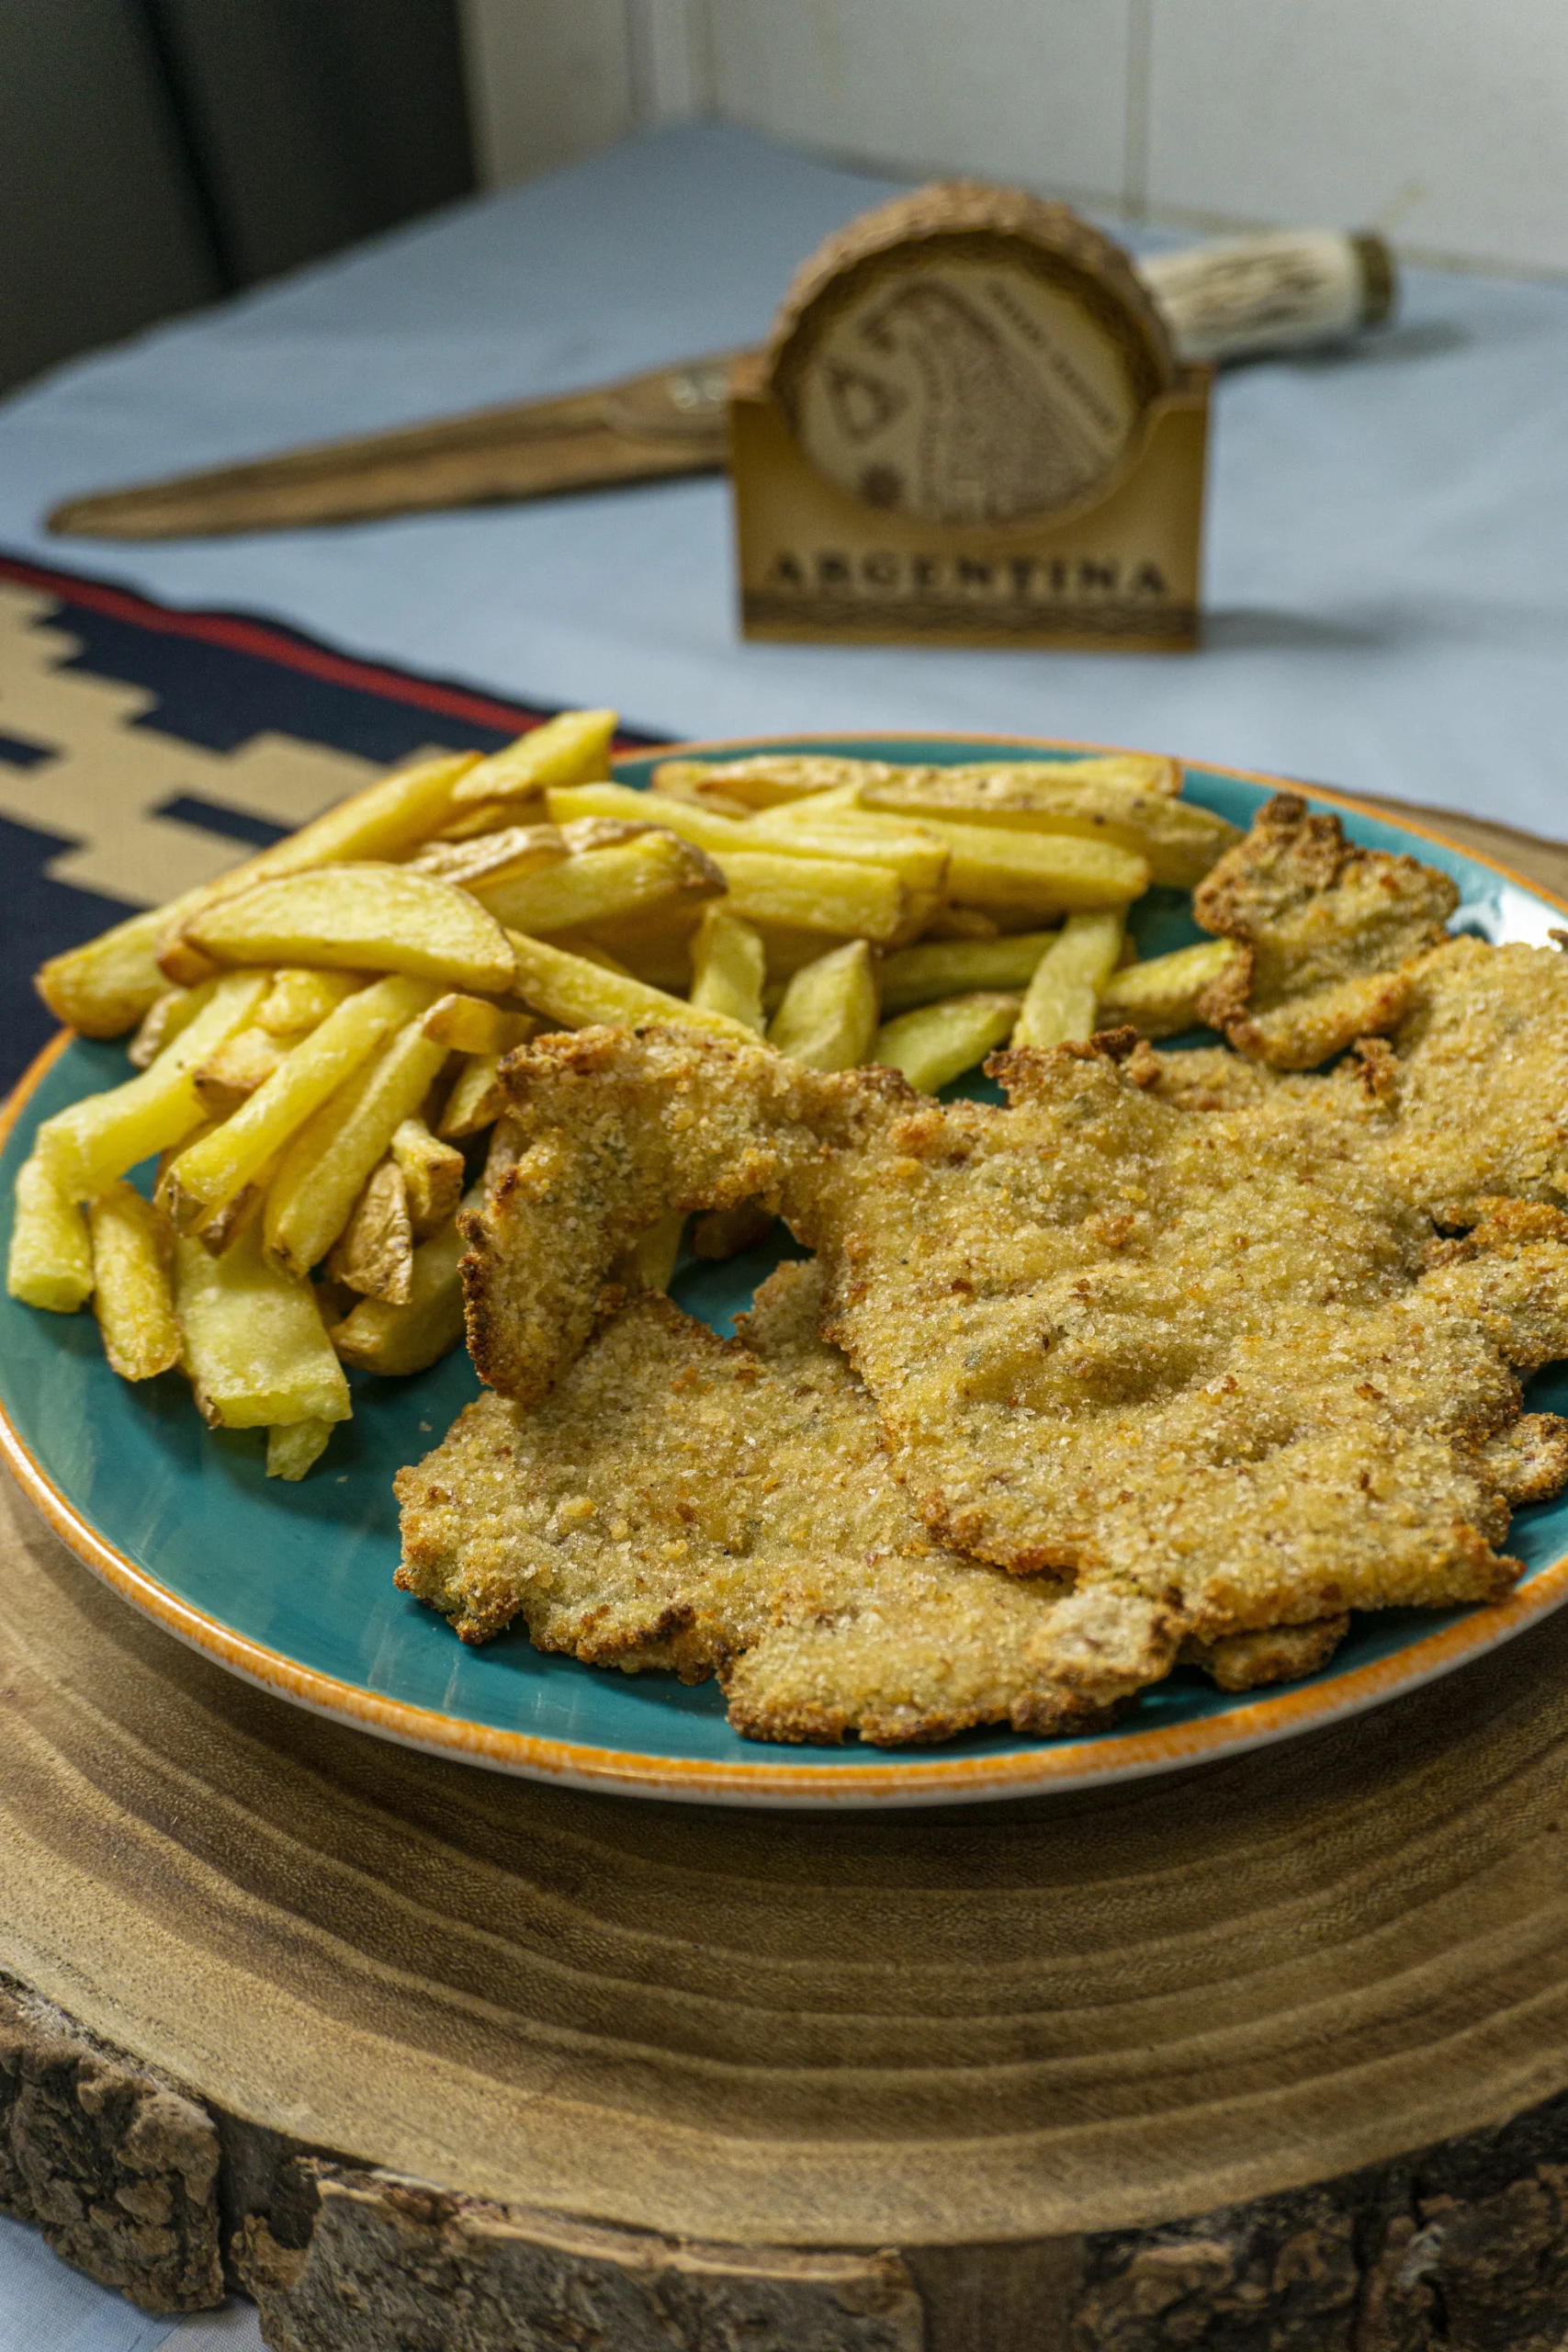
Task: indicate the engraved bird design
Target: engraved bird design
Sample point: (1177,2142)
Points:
(989,442)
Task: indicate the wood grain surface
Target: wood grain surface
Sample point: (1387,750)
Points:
(1270,2054)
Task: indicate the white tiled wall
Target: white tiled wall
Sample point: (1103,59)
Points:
(1443,122)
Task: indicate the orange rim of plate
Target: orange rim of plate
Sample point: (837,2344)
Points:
(913,1781)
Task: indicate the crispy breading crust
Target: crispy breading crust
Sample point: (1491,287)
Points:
(1328,927)
(734,1511)
(1204,1362)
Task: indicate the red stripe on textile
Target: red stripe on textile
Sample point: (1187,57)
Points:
(271,645)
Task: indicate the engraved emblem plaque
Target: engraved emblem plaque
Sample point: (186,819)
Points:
(951,433)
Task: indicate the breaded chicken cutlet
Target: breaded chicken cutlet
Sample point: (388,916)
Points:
(1217,1369)
(711,1505)
(1328,927)
(1466,1103)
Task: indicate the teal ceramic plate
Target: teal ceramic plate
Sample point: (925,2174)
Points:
(291,1586)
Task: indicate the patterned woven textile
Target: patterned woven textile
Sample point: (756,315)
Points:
(143,750)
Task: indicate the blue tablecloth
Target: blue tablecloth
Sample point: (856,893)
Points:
(1387,571)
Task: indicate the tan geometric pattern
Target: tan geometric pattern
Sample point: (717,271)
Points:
(106,777)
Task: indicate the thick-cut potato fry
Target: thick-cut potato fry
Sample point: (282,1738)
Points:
(568,749)
(795,829)
(210,1172)
(502,857)
(962,922)
(472,1024)
(938,1042)
(764,779)
(295,1447)
(1159,999)
(1036,874)
(374,1253)
(1061,1005)
(432,1175)
(918,857)
(829,1016)
(401,1339)
(223,1228)
(374,918)
(729,966)
(649,871)
(817,894)
(131,1293)
(573,992)
(88,1145)
(254,1345)
(953,966)
(235,1070)
(325,1167)
(655,946)
(51,1258)
(162,1023)
(105,987)
(1181,840)
(477,1099)
(572,803)
(582,834)
(300,998)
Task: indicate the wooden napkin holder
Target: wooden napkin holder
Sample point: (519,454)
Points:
(988,369)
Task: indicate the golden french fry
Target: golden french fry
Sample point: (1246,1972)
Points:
(432,1175)
(503,856)
(1181,840)
(919,858)
(329,1162)
(131,1293)
(574,992)
(593,832)
(236,1068)
(295,1447)
(374,1253)
(51,1258)
(94,1141)
(829,1016)
(477,1099)
(649,871)
(962,922)
(764,779)
(210,1171)
(254,1345)
(105,987)
(472,1024)
(729,966)
(816,893)
(300,998)
(936,968)
(568,749)
(1159,999)
(572,804)
(162,1023)
(223,1228)
(655,946)
(1036,874)
(401,1339)
(1061,1005)
(375,918)
(937,1043)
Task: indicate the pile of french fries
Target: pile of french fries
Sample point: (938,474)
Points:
(317,1032)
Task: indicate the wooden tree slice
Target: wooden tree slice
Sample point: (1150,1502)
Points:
(1271,2054)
